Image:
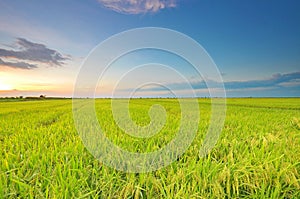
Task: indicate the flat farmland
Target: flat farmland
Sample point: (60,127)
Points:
(256,156)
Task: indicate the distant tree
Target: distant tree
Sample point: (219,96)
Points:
(42,96)
(21,97)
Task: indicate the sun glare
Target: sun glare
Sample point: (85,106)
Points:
(5,87)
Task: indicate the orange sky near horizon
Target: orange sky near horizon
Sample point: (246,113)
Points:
(46,80)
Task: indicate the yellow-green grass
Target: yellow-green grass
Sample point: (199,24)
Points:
(257,155)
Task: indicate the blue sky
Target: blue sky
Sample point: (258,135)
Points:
(255,44)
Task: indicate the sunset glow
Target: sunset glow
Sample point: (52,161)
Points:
(5,87)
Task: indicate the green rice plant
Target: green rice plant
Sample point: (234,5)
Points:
(256,156)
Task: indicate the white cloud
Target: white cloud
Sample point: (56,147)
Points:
(138,6)
(292,83)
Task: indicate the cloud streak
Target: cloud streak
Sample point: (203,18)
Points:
(30,51)
(277,80)
(20,65)
(138,6)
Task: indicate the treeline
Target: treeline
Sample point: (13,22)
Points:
(22,98)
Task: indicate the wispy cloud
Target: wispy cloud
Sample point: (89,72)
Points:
(21,65)
(138,6)
(29,51)
(277,80)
